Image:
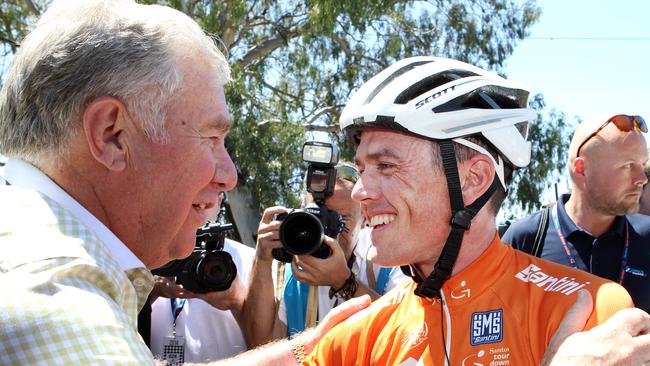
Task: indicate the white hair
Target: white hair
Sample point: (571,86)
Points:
(80,50)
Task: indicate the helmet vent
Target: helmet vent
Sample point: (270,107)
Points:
(522,127)
(431,82)
(391,77)
(487,97)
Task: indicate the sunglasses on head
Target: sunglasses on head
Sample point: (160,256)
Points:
(347,172)
(623,122)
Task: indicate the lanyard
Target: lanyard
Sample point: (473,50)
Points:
(176,309)
(572,259)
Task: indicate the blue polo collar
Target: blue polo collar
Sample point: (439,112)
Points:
(568,227)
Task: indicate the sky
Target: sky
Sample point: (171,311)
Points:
(588,56)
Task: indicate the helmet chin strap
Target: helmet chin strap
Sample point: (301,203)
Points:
(461,219)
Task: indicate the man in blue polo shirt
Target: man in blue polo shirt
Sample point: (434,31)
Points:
(595,227)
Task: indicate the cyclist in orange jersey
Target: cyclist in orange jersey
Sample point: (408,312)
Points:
(438,140)
(473,300)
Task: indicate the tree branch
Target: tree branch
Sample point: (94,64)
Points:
(7,25)
(280,92)
(311,128)
(346,49)
(33,7)
(13,44)
(339,42)
(266,47)
(320,111)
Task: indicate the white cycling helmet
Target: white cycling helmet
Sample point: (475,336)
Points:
(447,100)
(440,98)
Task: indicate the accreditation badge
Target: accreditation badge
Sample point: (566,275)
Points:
(174,350)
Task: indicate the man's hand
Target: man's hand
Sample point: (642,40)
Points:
(331,271)
(333,318)
(280,353)
(268,234)
(230,299)
(622,340)
(167,287)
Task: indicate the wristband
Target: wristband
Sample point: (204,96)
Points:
(348,289)
(298,350)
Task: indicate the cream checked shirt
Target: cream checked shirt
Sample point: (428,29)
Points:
(71,290)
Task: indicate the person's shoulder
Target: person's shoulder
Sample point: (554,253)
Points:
(396,295)
(553,278)
(640,223)
(231,246)
(529,265)
(38,228)
(396,303)
(19,201)
(242,255)
(523,227)
(65,321)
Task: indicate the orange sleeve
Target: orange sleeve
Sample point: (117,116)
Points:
(608,299)
(333,348)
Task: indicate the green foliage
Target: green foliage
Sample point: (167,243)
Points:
(295,63)
(15,18)
(331,47)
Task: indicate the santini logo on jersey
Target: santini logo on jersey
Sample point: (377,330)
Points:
(564,285)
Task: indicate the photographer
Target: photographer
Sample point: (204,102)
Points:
(204,326)
(310,287)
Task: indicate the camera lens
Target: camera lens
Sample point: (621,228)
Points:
(216,271)
(301,233)
(170,269)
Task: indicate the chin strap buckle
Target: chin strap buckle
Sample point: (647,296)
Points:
(462,219)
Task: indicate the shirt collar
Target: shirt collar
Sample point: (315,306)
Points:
(568,227)
(22,174)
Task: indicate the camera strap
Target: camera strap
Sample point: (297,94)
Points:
(311,316)
(461,220)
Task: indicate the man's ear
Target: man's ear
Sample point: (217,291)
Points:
(478,177)
(578,166)
(104,123)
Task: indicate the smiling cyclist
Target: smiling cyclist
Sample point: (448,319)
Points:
(437,141)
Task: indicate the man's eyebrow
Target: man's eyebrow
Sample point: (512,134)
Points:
(220,125)
(383,153)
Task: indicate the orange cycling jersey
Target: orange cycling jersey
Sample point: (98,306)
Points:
(503,309)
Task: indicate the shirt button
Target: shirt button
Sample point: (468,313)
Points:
(139,282)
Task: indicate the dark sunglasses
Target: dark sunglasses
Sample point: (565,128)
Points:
(623,122)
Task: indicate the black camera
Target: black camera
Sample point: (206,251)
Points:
(208,268)
(302,230)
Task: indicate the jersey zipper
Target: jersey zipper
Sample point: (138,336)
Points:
(447,320)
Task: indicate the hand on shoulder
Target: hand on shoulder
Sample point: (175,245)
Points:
(621,340)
